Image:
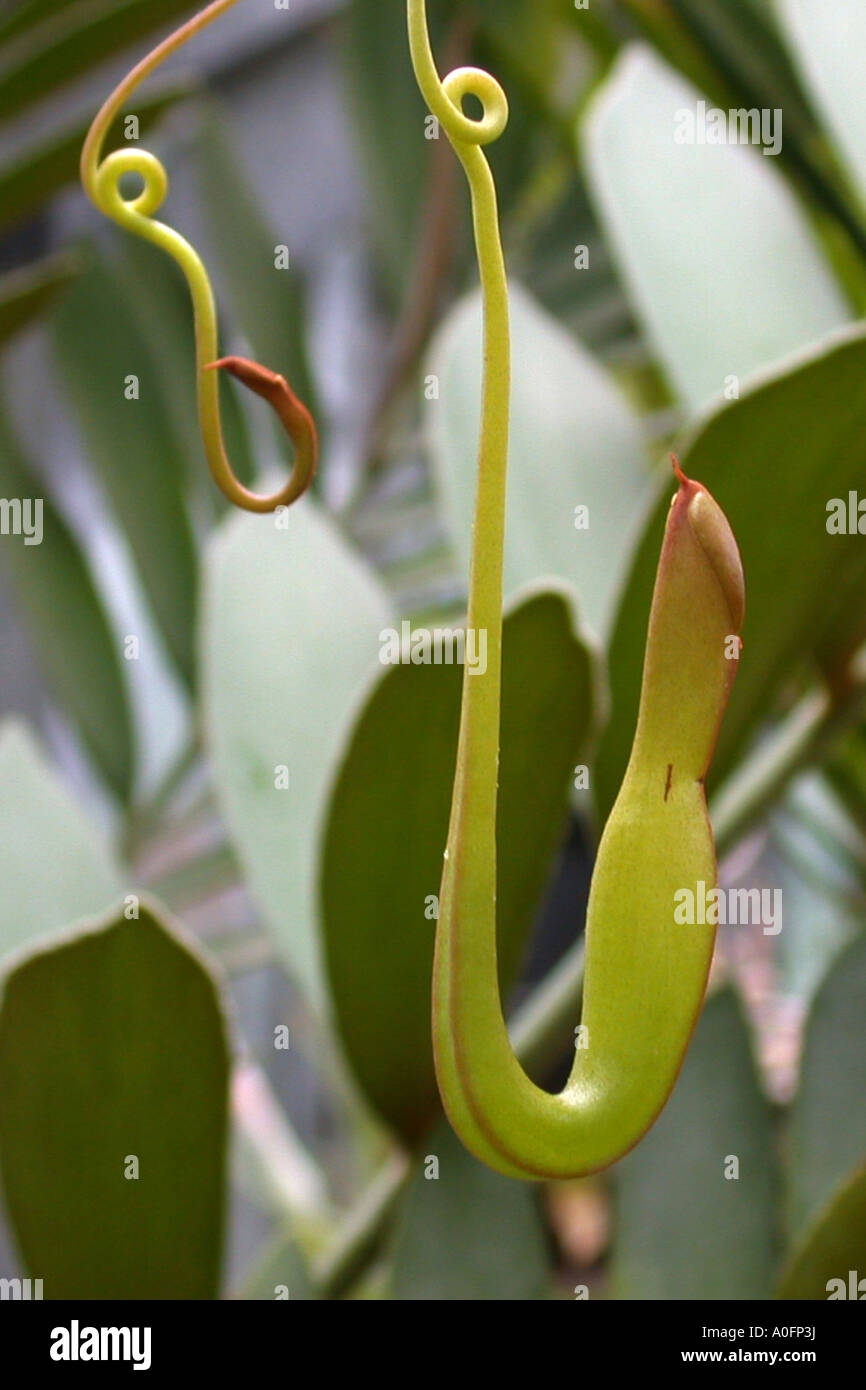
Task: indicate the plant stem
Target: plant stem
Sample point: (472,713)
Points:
(363,1232)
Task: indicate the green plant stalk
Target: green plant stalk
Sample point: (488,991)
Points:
(472,829)
(359,1239)
(101,179)
(645,976)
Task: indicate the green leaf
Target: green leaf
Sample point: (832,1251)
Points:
(132,445)
(832,1249)
(797,434)
(67,624)
(750,67)
(43,169)
(50,54)
(827,43)
(113,1047)
(743,37)
(718,260)
(742,40)
(468,1233)
(393,790)
(684,1230)
(827,1139)
(574,442)
(268,303)
(27,293)
(291,625)
(27,13)
(54,865)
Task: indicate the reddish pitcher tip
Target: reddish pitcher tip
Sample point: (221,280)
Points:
(680,475)
(295,417)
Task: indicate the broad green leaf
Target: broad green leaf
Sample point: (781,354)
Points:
(27,293)
(574,443)
(393,790)
(827,1139)
(51,53)
(689,1225)
(661,26)
(821,1267)
(114,1071)
(278,1274)
(718,260)
(742,39)
(292,619)
(54,865)
(66,622)
(772,460)
(132,444)
(467,1233)
(26,13)
(827,44)
(266,301)
(41,170)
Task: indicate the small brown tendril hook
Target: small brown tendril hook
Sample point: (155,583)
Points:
(296,420)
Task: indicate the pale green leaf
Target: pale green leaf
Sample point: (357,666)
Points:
(291,626)
(54,864)
(718,260)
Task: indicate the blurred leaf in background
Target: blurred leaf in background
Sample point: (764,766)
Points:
(41,892)
(291,628)
(67,622)
(695,1201)
(466,1232)
(115,386)
(113,1120)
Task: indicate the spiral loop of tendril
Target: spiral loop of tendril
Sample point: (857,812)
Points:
(144,204)
(470,130)
(445,96)
(101,177)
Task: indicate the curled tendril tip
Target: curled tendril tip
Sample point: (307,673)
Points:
(101,176)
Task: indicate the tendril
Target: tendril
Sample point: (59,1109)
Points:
(468,135)
(101,176)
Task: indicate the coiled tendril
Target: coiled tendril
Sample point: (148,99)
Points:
(101,178)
